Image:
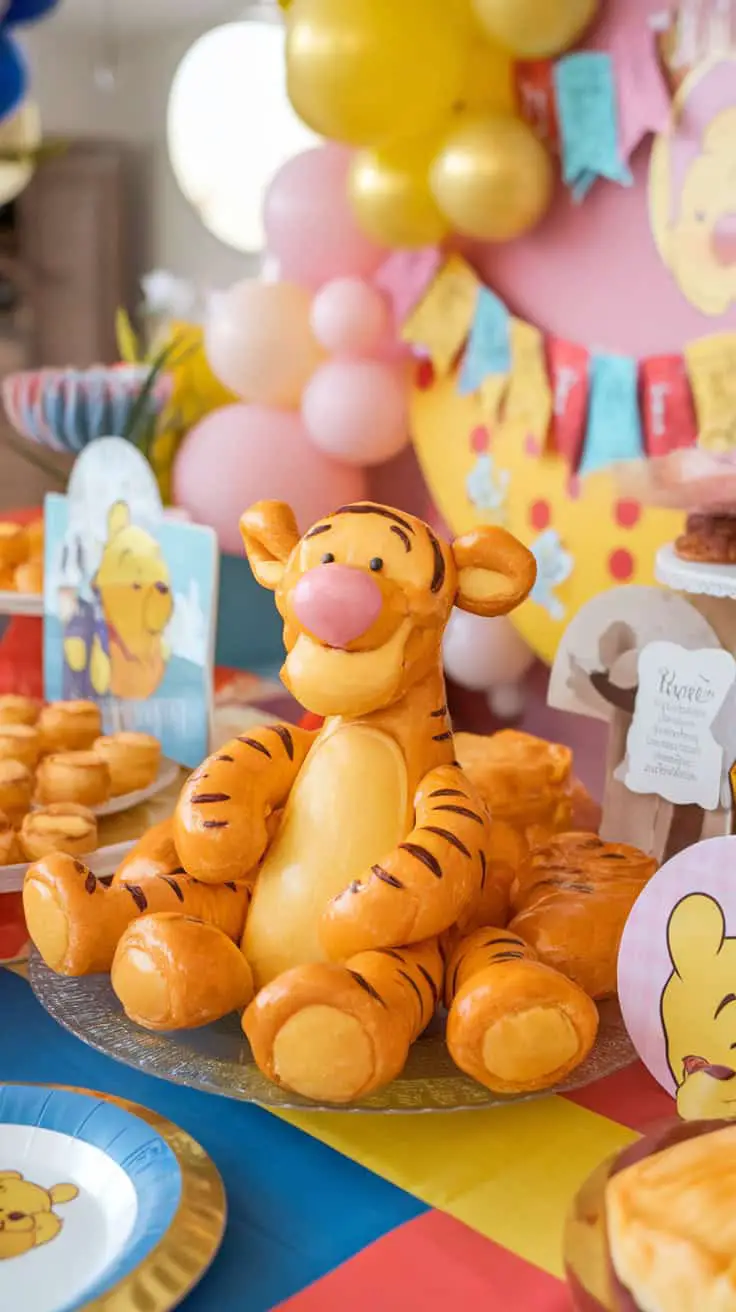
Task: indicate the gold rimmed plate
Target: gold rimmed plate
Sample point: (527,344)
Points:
(217,1058)
(103,1204)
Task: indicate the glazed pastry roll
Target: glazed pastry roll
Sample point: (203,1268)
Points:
(153,854)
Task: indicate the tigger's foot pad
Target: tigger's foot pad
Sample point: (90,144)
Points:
(529,1046)
(323,1054)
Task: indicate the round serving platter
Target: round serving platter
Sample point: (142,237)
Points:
(103,1204)
(217,1058)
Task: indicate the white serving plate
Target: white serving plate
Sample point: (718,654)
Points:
(167,773)
(104,861)
(21,603)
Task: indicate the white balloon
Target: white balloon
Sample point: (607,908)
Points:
(481,654)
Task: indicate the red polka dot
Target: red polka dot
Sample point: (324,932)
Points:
(627,513)
(425,375)
(532,446)
(621,565)
(540,515)
(574,488)
(480,439)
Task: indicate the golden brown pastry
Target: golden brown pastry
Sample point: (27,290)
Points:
(35,536)
(514,1024)
(10,852)
(81,777)
(61,827)
(153,854)
(7,580)
(572,898)
(69,726)
(708,537)
(28,577)
(14,545)
(207,976)
(133,759)
(336,1033)
(671,1221)
(20,742)
(76,920)
(16,790)
(18,710)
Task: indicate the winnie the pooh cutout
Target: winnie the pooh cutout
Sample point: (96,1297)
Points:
(677,978)
(27,1215)
(130,602)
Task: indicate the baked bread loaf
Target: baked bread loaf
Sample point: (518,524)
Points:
(61,827)
(81,777)
(69,726)
(571,900)
(133,760)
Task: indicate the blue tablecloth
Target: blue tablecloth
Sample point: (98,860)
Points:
(296,1208)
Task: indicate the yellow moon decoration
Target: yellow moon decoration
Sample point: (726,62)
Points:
(586,536)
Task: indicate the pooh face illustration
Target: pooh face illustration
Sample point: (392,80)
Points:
(134,587)
(26,1216)
(698,1010)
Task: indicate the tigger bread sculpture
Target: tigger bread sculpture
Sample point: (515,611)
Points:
(317,880)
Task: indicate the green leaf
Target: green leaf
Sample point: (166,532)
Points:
(141,426)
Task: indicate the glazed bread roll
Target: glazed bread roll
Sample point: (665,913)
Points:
(28,577)
(514,1024)
(16,790)
(69,726)
(20,742)
(670,1208)
(18,710)
(133,759)
(81,777)
(153,854)
(14,545)
(9,850)
(61,827)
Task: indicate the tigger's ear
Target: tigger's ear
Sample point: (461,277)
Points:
(269,532)
(495,572)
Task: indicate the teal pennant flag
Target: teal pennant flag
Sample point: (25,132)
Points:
(588,117)
(489,346)
(614,423)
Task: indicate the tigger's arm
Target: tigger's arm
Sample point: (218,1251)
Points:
(221,824)
(421,888)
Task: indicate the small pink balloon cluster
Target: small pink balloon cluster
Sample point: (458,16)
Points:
(314,357)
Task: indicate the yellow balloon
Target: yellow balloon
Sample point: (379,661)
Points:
(489,79)
(492,178)
(369,71)
(390,195)
(535,29)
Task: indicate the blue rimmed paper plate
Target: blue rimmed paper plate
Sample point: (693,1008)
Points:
(103,1204)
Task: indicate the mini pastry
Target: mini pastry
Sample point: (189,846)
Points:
(514,1024)
(572,898)
(708,538)
(7,579)
(18,710)
(20,742)
(16,790)
(9,850)
(61,827)
(81,777)
(69,726)
(35,535)
(133,759)
(14,545)
(28,577)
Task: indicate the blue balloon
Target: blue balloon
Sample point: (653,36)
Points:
(28,11)
(13,76)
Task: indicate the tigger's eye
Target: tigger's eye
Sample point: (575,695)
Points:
(328,558)
(376,564)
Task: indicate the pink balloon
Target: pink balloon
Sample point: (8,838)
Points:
(349,317)
(357,410)
(259,342)
(246,453)
(310,227)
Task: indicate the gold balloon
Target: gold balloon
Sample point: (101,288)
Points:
(535,29)
(492,178)
(390,195)
(489,79)
(369,71)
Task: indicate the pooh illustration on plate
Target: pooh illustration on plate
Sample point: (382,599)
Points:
(27,1218)
(134,586)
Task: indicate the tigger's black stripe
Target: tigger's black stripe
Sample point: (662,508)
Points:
(426,858)
(364,984)
(442,737)
(138,896)
(90,883)
(315,532)
(483,869)
(493,941)
(178,870)
(452,839)
(410,981)
(437,715)
(387,878)
(258,747)
(231,886)
(509,956)
(176,888)
(426,975)
(402,535)
(460,810)
(390,952)
(207,799)
(447,792)
(224,758)
(370,509)
(215,824)
(286,739)
(438,577)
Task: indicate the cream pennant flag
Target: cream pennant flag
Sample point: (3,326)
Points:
(442,320)
(711,365)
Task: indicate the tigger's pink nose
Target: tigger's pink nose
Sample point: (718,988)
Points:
(336,603)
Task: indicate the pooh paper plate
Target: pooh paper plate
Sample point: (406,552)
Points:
(99,1199)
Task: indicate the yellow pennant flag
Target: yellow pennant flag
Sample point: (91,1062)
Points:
(442,320)
(492,391)
(711,365)
(529,397)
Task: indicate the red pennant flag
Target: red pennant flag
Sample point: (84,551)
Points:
(535,92)
(568,369)
(667,404)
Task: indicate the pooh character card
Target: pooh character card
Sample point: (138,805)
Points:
(130,603)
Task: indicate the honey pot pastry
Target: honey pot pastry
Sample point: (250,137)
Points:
(16,790)
(10,852)
(81,777)
(20,742)
(18,710)
(69,726)
(60,827)
(14,545)
(133,759)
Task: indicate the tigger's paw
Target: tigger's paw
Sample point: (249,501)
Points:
(172,972)
(325,1033)
(71,919)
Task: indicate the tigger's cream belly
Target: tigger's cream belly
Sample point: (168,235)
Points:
(348,808)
